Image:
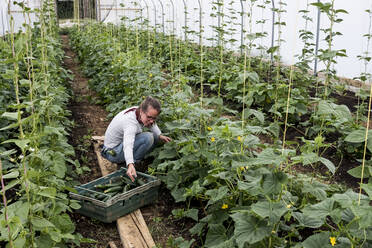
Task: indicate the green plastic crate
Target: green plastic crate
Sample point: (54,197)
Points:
(119,205)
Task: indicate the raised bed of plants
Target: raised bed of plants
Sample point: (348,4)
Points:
(35,157)
(240,140)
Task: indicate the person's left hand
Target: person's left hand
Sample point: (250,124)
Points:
(164,138)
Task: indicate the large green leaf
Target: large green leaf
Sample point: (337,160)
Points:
(368,189)
(172,179)
(273,210)
(47,192)
(179,194)
(252,187)
(267,156)
(10,115)
(64,223)
(197,228)
(307,221)
(331,167)
(339,112)
(168,153)
(307,158)
(21,143)
(216,194)
(19,242)
(40,223)
(272,183)
(316,188)
(357,136)
(357,171)
(59,164)
(216,235)
(226,244)
(364,215)
(192,213)
(349,198)
(10,175)
(319,210)
(318,240)
(249,229)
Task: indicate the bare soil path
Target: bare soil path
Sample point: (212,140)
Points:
(90,119)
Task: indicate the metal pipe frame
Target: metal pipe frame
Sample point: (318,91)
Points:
(171,1)
(162,14)
(242,28)
(155,23)
(317,43)
(185,10)
(272,31)
(200,22)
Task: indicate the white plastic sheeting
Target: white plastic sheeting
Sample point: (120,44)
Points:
(353,27)
(9,10)
(169,16)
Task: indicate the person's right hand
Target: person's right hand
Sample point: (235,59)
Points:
(131,172)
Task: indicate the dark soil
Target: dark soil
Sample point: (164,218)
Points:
(90,119)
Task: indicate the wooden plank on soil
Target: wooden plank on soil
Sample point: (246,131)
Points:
(132,228)
(111,244)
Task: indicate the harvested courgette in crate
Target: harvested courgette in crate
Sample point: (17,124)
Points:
(109,197)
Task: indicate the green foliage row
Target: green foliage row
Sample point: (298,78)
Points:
(246,193)
(34,151)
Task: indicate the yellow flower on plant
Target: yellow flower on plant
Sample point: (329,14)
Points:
(213,139)
(209,129)
(242,168)
(332,240)
(150,75)
(289,206)
(224,206)
(240,138)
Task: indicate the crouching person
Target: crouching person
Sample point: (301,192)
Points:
(125,142)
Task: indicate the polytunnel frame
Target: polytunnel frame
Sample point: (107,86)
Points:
(141,9)
(155,23)
(148,13)
(317,43)
(171,1)
(242,27)
(162,15)
(272,31)
(200,22)
(185,11)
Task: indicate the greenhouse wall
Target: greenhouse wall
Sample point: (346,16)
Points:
(169,16)
(9,9)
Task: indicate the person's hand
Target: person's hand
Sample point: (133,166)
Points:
(131,172)
(164,138)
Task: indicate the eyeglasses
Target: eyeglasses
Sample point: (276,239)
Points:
(151,117)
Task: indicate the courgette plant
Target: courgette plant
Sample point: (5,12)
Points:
(244,199)
(34,150)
